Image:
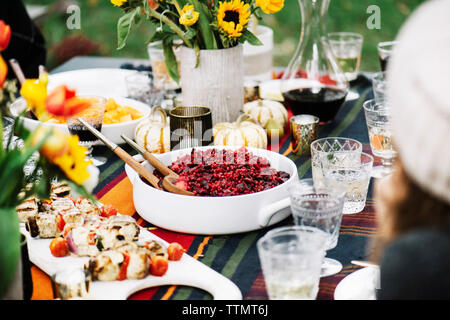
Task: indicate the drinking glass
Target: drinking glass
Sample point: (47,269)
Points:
(140,86)
(291,259)
(338,149)
(379,85)
(384,52)
(94,116)
(353,177)
(319,208)
(190,126)
(71,283)
(162,79)
(346,47)
(379,126)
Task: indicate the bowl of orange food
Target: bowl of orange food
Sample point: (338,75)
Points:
(122,115)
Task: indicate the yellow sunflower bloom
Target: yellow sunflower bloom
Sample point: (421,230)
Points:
(232,17)
(270,6)
(74,163)
(118,3)
(188,15)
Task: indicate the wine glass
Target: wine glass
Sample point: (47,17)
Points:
(319,208)
(346,47)
(94,116)
(378,124)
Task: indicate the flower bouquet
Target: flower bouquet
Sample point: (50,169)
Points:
(30,161)
(199,24)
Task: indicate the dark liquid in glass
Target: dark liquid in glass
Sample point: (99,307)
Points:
(383,63)
(323,104)
(83,133)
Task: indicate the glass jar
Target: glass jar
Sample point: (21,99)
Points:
(313,83)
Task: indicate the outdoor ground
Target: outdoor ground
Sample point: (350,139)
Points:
(99,36)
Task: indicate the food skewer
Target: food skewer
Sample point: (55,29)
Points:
(170,177)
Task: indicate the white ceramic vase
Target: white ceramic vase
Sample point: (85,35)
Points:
(217,82)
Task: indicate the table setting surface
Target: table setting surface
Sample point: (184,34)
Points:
(235,256)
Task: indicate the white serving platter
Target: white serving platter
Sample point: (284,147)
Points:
(358,285)
(187,272)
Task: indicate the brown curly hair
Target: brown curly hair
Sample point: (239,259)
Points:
(417,209)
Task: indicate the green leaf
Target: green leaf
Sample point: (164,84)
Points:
(9,247)
(171,60)
(190,33)
(124,26)
(251,38)
(206,32)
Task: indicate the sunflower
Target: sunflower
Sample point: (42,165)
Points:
(270,6)
(232,17)
(74,162)
(118,3)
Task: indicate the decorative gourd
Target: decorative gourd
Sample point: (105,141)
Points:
(154,134)
(265,110)
(245,132)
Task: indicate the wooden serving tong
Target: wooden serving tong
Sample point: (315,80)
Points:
(139,168)
(170,177)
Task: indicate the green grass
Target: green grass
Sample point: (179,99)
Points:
(99,18)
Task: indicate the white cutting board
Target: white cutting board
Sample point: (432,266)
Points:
(187,271)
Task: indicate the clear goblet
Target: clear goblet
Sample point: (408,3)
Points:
(378,124)
(319,208)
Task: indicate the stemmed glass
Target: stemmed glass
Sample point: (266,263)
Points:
(346,47)
(94,116)
(378,124)
(319,208)
(384,52)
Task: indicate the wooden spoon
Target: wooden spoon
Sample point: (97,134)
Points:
(122,154)
(170,177)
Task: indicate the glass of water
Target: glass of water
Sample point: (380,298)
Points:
(338,149)
(319,208)
(378,121)
(353,177)
(291,259)
(379,85)
(141,87)
(347,47)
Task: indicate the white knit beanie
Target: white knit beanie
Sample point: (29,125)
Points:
(418,91)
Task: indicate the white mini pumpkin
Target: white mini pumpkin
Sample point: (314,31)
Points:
(154,134)
(245,132)
(265,110)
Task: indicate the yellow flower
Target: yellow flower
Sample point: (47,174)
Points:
(34,91)
(74,163)
(232,17)
(188,15)
(118,3)
(270,6)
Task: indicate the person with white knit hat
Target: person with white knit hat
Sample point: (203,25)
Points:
(413,203)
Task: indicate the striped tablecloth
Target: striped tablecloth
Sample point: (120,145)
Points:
(235,256)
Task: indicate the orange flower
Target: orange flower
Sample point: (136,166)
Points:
(62,101)
(3,71)
(5,35)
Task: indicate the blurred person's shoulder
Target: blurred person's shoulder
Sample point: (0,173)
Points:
(417,266)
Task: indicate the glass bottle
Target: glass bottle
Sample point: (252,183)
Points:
(313,83)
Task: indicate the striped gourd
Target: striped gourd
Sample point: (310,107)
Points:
(154,134)
(245,132)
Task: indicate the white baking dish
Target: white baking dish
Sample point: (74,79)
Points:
(213,215)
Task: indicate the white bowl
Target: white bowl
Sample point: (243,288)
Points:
(213,215)
(111,131)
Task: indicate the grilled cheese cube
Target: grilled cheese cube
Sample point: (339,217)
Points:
(47,225)
(27,209)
